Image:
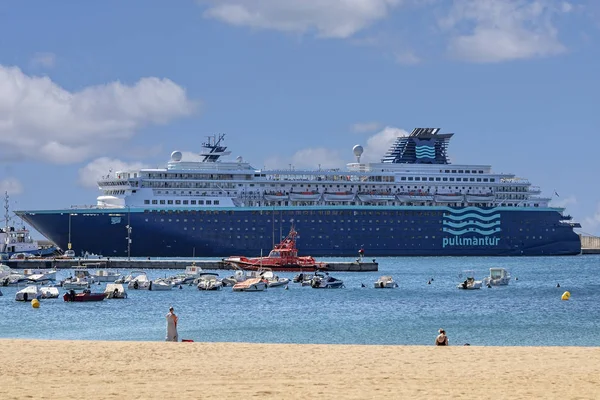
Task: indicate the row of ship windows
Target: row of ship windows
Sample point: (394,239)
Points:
(312,212)
(184,202)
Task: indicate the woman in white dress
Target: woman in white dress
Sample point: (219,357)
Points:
(172,326)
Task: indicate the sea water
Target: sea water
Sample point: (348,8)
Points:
(529,311)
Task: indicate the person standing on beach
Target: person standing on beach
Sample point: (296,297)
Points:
(172,326)
(441,339)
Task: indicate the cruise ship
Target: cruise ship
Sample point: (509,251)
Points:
(413,202)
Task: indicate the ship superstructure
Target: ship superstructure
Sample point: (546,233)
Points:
(413,202)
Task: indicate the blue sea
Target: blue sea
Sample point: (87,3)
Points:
(529,311)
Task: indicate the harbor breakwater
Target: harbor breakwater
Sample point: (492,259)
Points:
(144,264)
(590,244)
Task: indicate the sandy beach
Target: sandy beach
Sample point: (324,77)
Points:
(44,369)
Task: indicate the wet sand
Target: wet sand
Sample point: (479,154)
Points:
(45,369)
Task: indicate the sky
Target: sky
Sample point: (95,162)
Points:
(90,86)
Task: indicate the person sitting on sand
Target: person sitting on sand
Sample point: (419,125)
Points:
(441,339)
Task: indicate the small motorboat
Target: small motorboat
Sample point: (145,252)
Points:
(49,292)
(250,285)
(87,295)
(238,276)
(40,275)
(320,281)
(469,283)
(29,293)
(160,284)
(101,274)
(498,277)
(138,280)
(303,278)
(209,282)
(81,279)
(385,282)
(115,291)
(273,280)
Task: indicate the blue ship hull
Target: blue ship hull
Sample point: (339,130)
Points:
(323,231)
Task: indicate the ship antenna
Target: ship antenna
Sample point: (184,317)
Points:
(4,246)
(6,211)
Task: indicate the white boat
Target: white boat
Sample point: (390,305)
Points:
(305,196)
(449,197)
(239,275)
(40,275)
(385,282)
(209,282)
(29,293)
(81,279)
(104,275)
(68,254)
(250,285)
(14,279)
(191,274)
(371,197)
(92,256)
(275,196)
(274,280)
(480,197)
(320,281)
(115,291)
(469,283)
(303,278)
(138,280)
(5,271)
(49,292)
(498,277)
(160,284)
(338,196)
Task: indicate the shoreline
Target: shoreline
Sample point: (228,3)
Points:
(118,369)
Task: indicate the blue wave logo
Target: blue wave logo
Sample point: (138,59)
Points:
(425,151)
(471,220)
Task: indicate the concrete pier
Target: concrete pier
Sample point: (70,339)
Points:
(590,244)
(140,264)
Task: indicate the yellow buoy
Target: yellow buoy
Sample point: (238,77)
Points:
(566,295)
(35,303)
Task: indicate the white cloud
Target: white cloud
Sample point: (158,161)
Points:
(494,31)
(41,120)
(564,202)
(407,58)
(364,127)
(10,185)
(309,158)
(591,223)
(378,144)
(44,60)
(89,175)
(329,18)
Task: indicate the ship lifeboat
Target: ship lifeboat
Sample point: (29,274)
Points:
(369,197)
(305,196)
(338,196)
(275,196)
(480,197)
(449,197)
(409,197)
